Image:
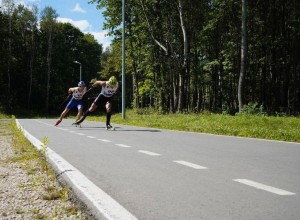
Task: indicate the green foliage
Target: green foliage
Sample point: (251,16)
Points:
(29,66)
(253,109)
(175,62)
(145,111)
(154,43)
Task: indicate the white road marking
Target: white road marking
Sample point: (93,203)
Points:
(101,204)
(64,129)
(104,140)
(80,134)
(264,187)
(91,137)
(192,165)
(122,145)
(43,122)
(149,153)
(72,131)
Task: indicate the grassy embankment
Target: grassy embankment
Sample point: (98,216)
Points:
(265,127)
(41,177)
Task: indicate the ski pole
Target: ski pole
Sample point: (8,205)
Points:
(65,100)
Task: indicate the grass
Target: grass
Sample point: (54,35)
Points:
(39,172)
(265,127)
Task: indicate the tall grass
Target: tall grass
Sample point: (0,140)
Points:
(265,127)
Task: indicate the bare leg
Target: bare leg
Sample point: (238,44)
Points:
(108,107)
(63,114)
(79,114)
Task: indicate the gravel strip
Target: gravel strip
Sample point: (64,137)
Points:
(26,191)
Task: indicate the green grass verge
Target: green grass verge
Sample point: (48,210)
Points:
(265,127)
(40,174)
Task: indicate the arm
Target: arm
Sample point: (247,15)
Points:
(71,90)
(99,83)
(87,92)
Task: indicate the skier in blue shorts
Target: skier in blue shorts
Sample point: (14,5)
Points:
(108,89)
(76,100)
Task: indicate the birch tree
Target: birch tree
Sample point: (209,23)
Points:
(243,55)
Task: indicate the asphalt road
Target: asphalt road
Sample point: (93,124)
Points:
(160,175)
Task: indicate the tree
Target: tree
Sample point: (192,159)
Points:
(243,54)
(8,8)
(33,29)
(48,24)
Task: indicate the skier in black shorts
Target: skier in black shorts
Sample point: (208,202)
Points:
(109,88)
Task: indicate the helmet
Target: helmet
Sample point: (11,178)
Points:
(81,83)
(112,81)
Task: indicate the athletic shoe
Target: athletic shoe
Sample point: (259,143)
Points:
(108,127)
(77,124)
(57,122)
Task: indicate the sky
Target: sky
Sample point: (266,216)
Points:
(79,13)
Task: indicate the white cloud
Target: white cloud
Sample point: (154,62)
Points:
(23,2)
(102,38)
(83,25)
(78,9)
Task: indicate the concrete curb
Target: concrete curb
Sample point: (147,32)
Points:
(100,204)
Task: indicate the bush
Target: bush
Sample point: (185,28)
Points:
(253,109)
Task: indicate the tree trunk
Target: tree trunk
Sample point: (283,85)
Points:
(31,68)
(184,72)
(9,5)
(243,55)
(49,60)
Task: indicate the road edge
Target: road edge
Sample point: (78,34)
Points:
(99,203)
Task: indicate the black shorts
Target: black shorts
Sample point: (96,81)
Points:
(102,100)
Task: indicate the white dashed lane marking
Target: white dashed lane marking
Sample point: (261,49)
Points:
(123,145)
(188,164)
(148,153)
(264,187)
(64,129)
(97,200)
(195,166)
(104,140)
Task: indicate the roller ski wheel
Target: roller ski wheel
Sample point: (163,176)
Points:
(110,128)
(77,124)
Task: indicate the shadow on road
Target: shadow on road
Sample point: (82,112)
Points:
(119,129)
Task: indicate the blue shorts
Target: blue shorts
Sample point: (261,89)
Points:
(73,102)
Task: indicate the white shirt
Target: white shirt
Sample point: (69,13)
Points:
(77,94)
(108,91)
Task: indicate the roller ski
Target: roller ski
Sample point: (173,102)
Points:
(77,124)
(110,128)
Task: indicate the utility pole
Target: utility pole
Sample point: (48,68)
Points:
(123,60)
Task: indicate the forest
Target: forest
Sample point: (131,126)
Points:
(186,56)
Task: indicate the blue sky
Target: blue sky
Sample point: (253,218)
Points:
(80,13)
